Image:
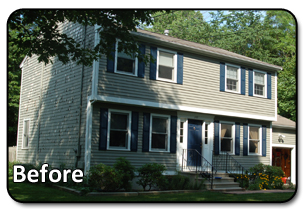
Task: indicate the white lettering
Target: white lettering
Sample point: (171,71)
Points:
(58,176)
(75,176)
(43,171)
(16,174)
(54,175)
(65,172)
(32,173)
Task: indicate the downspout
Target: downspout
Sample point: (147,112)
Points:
(78,149)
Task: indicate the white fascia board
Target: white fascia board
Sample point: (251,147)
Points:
(180,108)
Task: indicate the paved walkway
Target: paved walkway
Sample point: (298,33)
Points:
(259,191)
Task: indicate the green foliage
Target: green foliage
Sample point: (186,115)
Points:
(11,167)
(124,167)
(151,175)
(104,177)
(265,177)
(179,182)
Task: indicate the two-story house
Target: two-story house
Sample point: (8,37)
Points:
(192,97)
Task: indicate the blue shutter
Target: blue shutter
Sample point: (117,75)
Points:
(264,141)
(141,65)
(245,139)
(103,129)
(173,134)
(222,76)
(216,139)
(111,60)
(237,139)
(268,86)
(146,124)
(134,131)
(243,75)
(180,68)
(250,82)
(153,63)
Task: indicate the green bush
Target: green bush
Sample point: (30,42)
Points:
(179,182)
(104,177)
(265,177)
(123,167)
(11,167)
(151,175)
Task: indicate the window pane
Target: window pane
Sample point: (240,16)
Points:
(259,89)
(166,59)
(226,145)
(118,139)
(253,133)
(126,65)
(159,141)
(253,146)
(166,72)
(118,121)
(231,85)
(259,78)
(159,125)
(226,130)
(232,72)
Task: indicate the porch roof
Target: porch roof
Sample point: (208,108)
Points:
(283,122)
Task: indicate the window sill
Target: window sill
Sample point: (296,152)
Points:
(234,92)
(165,80)
(165,151)
(117,149)
(259,96)
(123,73)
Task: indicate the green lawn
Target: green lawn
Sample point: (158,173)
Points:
(27,192)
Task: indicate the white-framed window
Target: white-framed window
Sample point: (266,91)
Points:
(159,133)
(233,75)
(124,63)
(227,137)
(260,81)
(25,138)
(119,128)
(166,65)
(254,139)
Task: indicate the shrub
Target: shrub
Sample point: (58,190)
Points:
(11,167)
(179,182)
(103,177)
(127,171)
(266,177)
(151,175)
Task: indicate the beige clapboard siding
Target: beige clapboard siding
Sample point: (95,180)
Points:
(200,89)
(290,136)
(59,123)
(138,158)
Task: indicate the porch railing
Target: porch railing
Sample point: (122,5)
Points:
(193,161)
(224,162)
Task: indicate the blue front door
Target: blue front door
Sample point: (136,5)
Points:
(194,142)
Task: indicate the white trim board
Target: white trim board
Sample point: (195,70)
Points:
(180,107)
